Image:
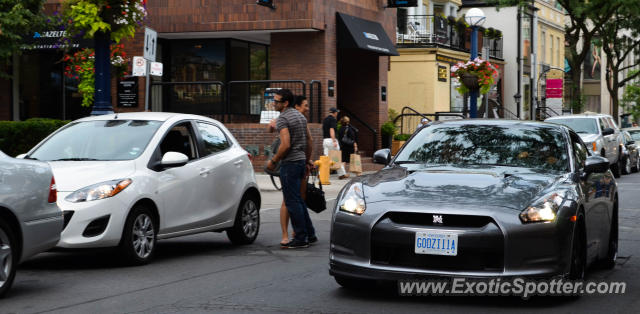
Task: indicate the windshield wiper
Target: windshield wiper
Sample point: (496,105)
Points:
(76,159)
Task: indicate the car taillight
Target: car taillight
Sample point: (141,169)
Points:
(53,192)
(250,157)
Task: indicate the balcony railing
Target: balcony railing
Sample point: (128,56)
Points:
(435,31)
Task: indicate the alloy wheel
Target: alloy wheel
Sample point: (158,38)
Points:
(6,258)
(250,219)
(143,236)
(627,166)
(577,257)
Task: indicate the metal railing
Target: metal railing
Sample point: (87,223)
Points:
(436,31)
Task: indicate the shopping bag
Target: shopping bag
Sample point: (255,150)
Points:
(355,165)
(315,199)
(336,157)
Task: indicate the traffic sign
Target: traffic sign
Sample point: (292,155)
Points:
(156,69)
(150,44)
(139,66)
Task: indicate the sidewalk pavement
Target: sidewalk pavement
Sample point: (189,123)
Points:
(272,198)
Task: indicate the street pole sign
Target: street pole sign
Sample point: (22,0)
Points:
(139,66)
(156,69)
(150,44)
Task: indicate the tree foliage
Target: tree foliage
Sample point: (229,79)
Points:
(18,18)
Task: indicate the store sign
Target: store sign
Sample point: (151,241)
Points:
(554,88)
(449,59)
(53,40)
(402,3)
(128,92)
(443,74)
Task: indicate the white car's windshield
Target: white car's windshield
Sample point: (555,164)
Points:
(579,125)
(494,145)
(98,140)
(635,134)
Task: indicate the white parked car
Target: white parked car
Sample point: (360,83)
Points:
(30,221)
(126,180)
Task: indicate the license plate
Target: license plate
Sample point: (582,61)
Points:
(436,243)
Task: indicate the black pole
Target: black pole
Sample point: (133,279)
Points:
(102,100)
(518,95)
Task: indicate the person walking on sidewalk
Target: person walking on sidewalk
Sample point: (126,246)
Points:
(348,136)
(294,137)
(330,142)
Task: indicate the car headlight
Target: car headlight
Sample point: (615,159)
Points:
(593,146)
(99,191)
(353,200)
(543,210)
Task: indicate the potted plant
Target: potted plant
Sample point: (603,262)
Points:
(477,74)
(387,131)
(398,141)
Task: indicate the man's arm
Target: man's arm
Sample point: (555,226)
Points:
(332,132)
(309,149)
(285,144)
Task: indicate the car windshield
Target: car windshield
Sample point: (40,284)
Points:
(465,145)
(579,125)
(635,134)
(98,140)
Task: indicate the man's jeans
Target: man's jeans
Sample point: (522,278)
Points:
(291,174)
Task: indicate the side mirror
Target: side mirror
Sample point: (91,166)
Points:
(21,156)
(382,156)
(607,131)
(631,142)
(596,164)
(173,159)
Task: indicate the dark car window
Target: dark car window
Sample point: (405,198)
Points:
(459,145)
(180,140)
(635,135)
(98,140)
(213,139)
(603,124)
(579,152)
(579,125)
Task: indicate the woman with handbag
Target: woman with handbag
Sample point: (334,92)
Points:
(348,135)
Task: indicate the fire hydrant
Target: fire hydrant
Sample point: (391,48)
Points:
(324,165)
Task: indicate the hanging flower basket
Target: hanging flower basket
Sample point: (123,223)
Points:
(470,81)
(477,74)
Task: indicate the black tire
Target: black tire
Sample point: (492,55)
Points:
(8,257)
(616,168)
(636,166)
(141,228)
(609,262)
(247,223)
(354,283)
(578,264)
(626,165)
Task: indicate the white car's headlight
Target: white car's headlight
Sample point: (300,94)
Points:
(353,200)
(594,147)
(543,210)
(99,191)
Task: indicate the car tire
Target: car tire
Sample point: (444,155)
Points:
(354,283)
(616,168)
(247,222)
(578,262)
(626,169)
(139,237)
(636,166)
(8,258)
(612,252)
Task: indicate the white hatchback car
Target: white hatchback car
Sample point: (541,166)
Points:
(126,180)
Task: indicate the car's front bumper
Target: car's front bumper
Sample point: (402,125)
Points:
(499,246)
(107,215)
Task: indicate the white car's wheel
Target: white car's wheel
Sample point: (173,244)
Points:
(8,258)
(138,243)
(247,224)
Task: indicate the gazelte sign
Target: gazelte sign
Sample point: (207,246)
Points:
(51,40)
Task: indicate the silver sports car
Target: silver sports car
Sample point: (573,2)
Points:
(30,220)
(478,198)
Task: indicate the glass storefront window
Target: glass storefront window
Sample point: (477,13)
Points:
(198,60)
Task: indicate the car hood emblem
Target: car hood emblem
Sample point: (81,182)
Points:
(437,219)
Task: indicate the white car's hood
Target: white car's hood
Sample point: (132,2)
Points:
(73,175)
(588,138)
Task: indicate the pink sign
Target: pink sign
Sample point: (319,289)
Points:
(554,83)
(554,93)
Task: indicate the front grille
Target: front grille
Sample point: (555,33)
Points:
(426,219)
(480,250)
(96,227)
(66,214)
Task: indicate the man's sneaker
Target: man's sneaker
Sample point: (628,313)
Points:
(313,239)
(295,244)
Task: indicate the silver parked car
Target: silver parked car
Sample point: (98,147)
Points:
(601,135)
(30,220)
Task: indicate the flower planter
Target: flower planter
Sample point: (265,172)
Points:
(395,146)
(470,81)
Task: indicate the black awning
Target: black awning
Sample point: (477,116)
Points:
(363,34)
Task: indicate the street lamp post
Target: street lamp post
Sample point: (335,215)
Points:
(475,18)
(102,104)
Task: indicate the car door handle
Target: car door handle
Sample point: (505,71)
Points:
(237,163)
(205,171)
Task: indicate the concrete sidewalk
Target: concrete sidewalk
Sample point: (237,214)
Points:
(272,198)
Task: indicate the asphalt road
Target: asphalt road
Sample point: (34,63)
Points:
(206,274)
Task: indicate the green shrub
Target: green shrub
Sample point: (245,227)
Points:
(18,137)
(402,137)
(388,128)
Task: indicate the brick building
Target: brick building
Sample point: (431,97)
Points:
(336,52)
